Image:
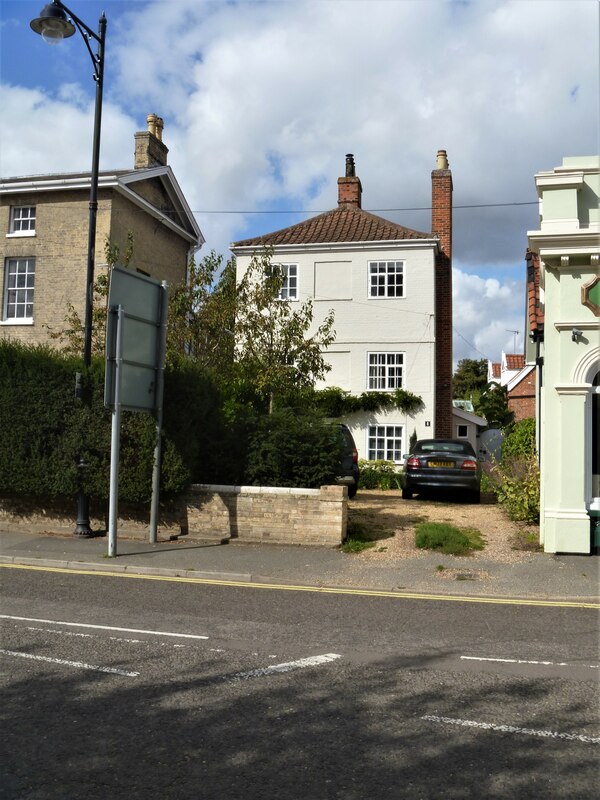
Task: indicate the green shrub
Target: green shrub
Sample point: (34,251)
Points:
(290,449)
(379,475)
(448,539)
(519,439)
(516,479)
(518,488)
(44,429)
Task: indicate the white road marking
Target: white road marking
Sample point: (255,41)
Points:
(60,633)
(524,661)
(105,627)
(78,664)
(489,726)
(312,661)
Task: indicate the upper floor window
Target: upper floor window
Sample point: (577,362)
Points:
(386,279)
(462,431)
(19,282)
(385,370)
(289,290)
(22,220)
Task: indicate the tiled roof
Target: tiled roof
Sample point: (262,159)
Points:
(496,369)
(515,361)
(342,224)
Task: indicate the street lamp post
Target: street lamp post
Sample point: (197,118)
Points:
(55,23)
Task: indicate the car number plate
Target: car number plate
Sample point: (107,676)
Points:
(440,463)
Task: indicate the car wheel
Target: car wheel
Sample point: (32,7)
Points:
(352,490)
(407,494)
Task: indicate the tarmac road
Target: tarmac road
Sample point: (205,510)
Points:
(111,690)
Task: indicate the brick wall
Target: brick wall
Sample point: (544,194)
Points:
(269,515)
(157,250)
(243,513)
(60,250)
(521,399)
(441,225)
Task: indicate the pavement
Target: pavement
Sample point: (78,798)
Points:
(541,576)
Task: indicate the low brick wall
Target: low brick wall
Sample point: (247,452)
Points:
(267,514)
(243,513)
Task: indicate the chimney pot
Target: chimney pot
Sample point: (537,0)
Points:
(151,120)
(149,148)
(442,160)
(350,167)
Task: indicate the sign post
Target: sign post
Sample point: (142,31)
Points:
(135,357)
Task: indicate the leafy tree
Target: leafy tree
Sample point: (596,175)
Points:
(274,346)
(202,315)
(493,405)
(470,379)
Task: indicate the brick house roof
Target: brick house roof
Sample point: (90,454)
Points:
(496,369)
(515,360)
(347,223)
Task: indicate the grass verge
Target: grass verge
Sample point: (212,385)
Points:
(358,538)
(445,538)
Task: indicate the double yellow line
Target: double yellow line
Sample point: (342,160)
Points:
(398,595)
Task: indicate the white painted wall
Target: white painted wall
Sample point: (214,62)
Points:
(337,277)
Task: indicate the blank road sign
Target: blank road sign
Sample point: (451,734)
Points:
(144,301)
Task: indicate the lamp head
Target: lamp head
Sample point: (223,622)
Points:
(53,25)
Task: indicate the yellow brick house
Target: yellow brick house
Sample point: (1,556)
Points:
(44,235)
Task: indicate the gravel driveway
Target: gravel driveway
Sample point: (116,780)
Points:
(393,520)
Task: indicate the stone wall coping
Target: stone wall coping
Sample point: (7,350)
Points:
(276,490)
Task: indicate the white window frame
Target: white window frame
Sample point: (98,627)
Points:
(383,270)
(29,264)
(385,366)
(460,435)
(290,272)
(387,440)
(22,224)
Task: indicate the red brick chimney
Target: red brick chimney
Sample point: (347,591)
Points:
(441,225)
(349,188)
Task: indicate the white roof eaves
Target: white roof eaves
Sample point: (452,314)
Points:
(379,244)
(468,416)
(172,186)
(516,379)
(119,180)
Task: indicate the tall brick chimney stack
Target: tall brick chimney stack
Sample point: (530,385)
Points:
(349,187)
(149,148)
(441,225)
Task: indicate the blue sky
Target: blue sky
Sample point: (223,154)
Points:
(262,101)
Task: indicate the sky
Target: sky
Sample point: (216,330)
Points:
(262,101)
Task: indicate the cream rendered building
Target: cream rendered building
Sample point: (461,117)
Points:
(390,288)
(564,312)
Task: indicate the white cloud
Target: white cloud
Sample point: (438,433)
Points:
(262,100)
(486,313)
(54,133)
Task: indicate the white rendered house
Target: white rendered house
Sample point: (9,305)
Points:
(383,281)
(564,317)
